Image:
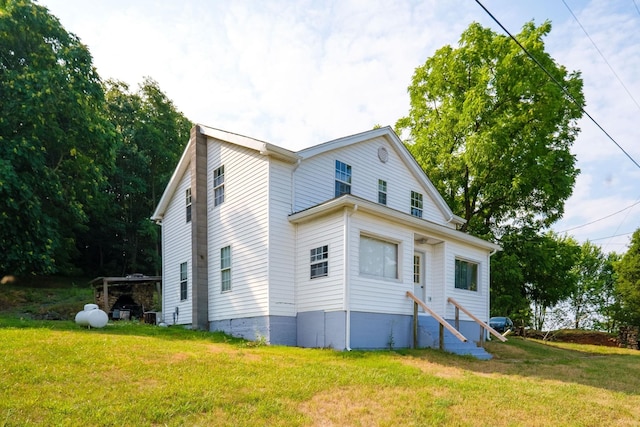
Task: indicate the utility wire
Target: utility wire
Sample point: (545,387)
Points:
(600,219)
(566,92)
(636,5)
(601,54)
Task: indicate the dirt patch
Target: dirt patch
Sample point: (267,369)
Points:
(576,336)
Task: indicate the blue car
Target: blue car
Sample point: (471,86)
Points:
(501,324)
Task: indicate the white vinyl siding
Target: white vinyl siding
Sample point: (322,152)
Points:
(281,241)
(322,293)
(176,249)
(315,178)
(476,302)
(242,223)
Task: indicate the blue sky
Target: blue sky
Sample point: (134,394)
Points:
(298,73)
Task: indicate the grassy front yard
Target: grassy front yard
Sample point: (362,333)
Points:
(56,373)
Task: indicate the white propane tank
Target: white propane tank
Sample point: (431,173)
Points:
(92,317)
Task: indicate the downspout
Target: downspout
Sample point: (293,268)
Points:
(347,276)
(293,185)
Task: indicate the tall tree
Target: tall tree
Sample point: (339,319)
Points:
(55,141)
(628,282)
(151,135)
(493,131)
(532,273)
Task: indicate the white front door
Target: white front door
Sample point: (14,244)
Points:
(418,276)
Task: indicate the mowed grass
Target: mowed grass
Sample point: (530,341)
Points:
(56,373)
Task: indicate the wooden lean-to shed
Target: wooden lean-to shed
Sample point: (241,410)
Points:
(131,297)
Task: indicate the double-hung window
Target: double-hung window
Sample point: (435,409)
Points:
(416,204)
(466,275)
(183,281)
(343,178)
(218,186)
(225,269)
(382,192)
(188,204)
(319,262)
(378,258)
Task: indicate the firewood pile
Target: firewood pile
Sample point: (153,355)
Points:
(628,337)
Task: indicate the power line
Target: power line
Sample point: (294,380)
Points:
(566,92)
(636,5)
(600,219)
(601,54)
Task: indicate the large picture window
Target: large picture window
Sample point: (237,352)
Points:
(466,275)
(343,178)
(183,281)
(378,258)
(218,186)
(319,262)
(225,269)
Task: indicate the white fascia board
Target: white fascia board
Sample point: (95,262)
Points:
(262,147)
(362,205)
(183,164)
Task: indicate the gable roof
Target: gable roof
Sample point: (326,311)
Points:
(262,147)
(410,162)
(283,154)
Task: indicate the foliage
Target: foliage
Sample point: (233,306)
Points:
(54,139)
(151,135)
(492,130)
(532,270)
(593,303)
(628,282)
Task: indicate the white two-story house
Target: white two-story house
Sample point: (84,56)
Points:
(315,248)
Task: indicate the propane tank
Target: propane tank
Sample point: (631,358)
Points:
(92,317)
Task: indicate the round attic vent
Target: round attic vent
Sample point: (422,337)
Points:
(383,155)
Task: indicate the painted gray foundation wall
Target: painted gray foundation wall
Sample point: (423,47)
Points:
(429,331)
(320,329)
(378,330)
(277,330)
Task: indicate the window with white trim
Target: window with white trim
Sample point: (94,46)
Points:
(466,275)
(416,269)
(225,269)
(382,192)
(218,186)
(416,204)
(319,262)
(378,258)
(188,204)
(343,178)
(183,281)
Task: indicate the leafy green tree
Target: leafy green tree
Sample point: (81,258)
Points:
(55,142)
(592,299)
(151,134)
(493,131)
(628,282)
(532,273)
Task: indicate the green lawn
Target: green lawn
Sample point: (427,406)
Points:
(55,373)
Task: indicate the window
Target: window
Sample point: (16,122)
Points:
(343,178)
(319,262)
(416,269)
(378,258)
(416,204)
(183,281)
(382,192)
(466,275)
(218,186)
(188,204)
(225,269)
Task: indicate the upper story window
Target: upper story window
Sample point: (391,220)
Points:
(466,275)
(343,178)
(183,281)
(378,258)
(225,269)
(382,192)
(416,204)
(218,186)
(188,204)
(319,262)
